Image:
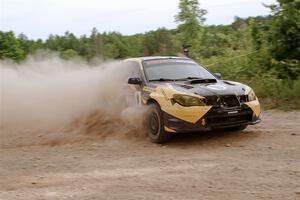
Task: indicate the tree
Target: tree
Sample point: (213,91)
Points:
(158,42)
(190,19)
(164,38)
(285,38)
(96,43)
(10,47)
(285,30)
(68,54)
(29,46)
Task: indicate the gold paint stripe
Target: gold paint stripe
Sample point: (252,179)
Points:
(255,106)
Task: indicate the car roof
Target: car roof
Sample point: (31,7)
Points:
(139,59)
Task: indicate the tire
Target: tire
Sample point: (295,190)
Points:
(155,125)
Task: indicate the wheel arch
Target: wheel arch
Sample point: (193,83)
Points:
(152,101)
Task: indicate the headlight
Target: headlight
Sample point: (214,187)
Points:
(251,96)
(186,100)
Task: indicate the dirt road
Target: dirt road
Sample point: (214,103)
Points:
(262,162)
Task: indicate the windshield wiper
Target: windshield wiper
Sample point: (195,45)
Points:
(162,79)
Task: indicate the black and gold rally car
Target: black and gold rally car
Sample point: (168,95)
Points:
(183,96)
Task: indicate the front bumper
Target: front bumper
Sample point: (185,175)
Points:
(215,118)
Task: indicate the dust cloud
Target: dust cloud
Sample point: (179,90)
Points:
(42,95)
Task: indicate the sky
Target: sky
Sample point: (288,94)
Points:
(39,18)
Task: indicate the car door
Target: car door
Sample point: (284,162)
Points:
(135,95)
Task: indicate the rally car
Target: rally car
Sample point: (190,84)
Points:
(183,96)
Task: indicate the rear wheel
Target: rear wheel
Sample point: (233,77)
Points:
(155,125)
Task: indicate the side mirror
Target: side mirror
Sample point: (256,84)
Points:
(218,75)
(134,81)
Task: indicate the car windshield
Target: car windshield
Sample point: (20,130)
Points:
(174,69)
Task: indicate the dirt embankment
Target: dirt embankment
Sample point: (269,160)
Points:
(262,162)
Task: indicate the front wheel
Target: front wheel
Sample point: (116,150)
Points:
(155,127)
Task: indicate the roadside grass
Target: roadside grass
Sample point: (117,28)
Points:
(278,104)
(278,94)
(273,93)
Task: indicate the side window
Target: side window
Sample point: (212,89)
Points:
(135,70)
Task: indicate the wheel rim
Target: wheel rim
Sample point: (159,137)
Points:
(154,124)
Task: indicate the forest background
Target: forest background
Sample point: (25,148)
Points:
(262,51)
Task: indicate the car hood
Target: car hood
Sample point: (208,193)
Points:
(218,88)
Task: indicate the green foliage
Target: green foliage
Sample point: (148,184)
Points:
(285,30)
(257,35)
(280,93)
(190,19)
(96,44)
(213,42)
(29,46)
(159,42)
(274,92)
(287,68)
(283,38)
(10,47)
(263,52)
(68,54)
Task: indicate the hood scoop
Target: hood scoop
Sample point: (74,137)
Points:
(228,83)
(196,81)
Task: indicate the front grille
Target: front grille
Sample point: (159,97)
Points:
(218,116)
(226,101)
(243,98)
(229,119)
